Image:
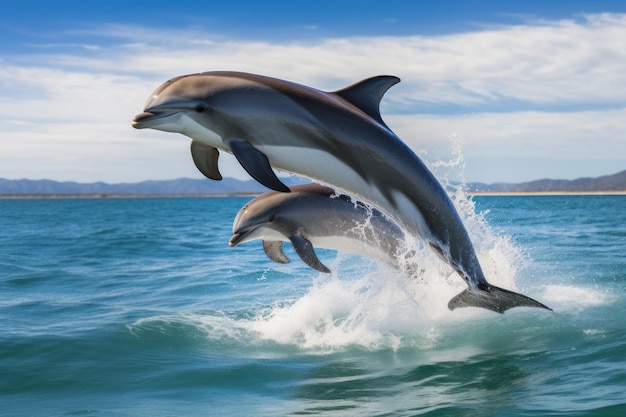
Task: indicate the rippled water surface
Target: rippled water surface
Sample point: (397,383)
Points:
(129,307)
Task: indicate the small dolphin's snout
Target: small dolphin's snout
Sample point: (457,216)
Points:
(234,239)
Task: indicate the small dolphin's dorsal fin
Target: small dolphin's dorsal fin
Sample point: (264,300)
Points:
(304,249)
(256,164)
(205,157)
(367,94)
(274,250)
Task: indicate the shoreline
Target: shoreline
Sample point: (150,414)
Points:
(469,193)
(539,193)
(113,196)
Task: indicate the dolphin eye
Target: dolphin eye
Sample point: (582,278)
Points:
(272,218)
(200,108)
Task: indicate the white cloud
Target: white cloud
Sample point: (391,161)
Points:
(80,102)
(545,62)
(576,135)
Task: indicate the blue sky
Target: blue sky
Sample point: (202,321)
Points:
(498,90)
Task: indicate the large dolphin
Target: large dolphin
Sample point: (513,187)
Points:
(313,215)
(337,138)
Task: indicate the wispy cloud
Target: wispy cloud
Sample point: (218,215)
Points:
(527,89)
(57,46)
(546,62)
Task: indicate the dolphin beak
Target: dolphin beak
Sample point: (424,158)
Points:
(141,117)
(241,234)
(235,239)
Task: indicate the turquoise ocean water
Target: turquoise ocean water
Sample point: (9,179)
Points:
(138,307)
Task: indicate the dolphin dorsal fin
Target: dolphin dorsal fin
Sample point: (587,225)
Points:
(367,94)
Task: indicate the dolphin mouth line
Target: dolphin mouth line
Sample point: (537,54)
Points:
(240,235)
(140,119)
(237,237)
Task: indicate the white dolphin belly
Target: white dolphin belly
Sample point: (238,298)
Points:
(352,245)
(330,170)
(324,168)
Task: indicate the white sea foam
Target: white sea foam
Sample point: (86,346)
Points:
(382,307)
(370,311)
(570,297)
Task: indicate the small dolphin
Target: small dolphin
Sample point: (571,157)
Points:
(313,215)
(337,138)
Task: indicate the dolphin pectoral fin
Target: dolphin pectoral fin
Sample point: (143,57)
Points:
(256,164)
(493,298)
(304,249)
(274,250)
(368,93)
(205,157)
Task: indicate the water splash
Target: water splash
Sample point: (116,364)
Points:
(370,311)
(499,257)
(570,297)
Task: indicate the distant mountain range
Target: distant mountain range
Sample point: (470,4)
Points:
(182,186)
(231,186)
(607,183)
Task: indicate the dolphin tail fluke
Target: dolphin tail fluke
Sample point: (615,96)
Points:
(493,298)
